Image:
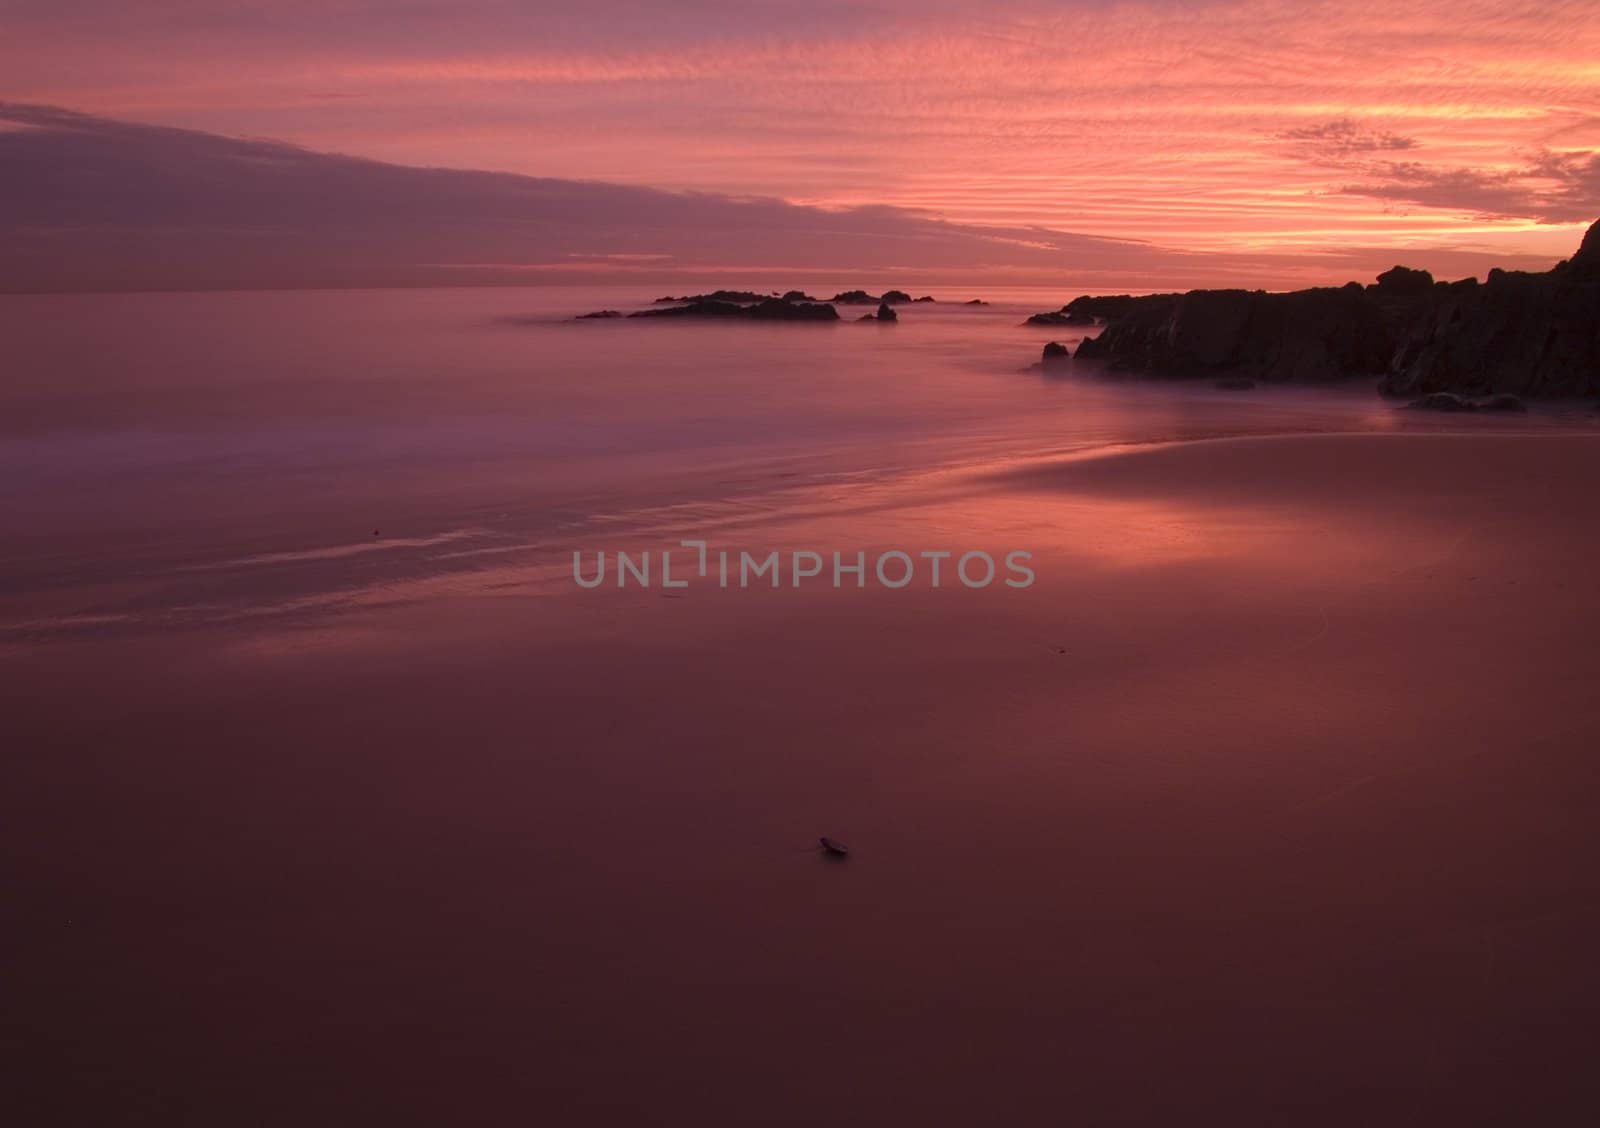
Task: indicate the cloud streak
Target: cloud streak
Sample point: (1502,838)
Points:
(89,203)
(1220,127)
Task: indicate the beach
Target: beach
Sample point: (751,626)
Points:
(1270,798)
(893,564)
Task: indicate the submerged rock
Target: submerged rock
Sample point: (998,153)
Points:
(599,313)
(975,301)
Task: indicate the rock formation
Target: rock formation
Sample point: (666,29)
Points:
(1062,316)
(772,309)
(743,296)
(1528,334)
(1522,334)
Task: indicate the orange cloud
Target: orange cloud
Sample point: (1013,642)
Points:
(1252,124)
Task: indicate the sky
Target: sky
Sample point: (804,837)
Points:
(1190,142)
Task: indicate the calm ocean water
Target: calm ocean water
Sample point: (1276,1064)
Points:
(169,459)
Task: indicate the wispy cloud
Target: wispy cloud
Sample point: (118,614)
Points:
(90,203)
(1215,125)
(1551,188)
(1333,140)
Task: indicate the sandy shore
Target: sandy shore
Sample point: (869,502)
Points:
(1272,800)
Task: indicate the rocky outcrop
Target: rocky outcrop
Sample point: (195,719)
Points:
(771,309)
(742,296)
(1405,282)
(1062,317)
(1533,335)
(1517,334)
(1055,353)
(861,297)
(1109,307)
(1309,335)
(598,314)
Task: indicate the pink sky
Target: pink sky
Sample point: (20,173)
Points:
(1255,127)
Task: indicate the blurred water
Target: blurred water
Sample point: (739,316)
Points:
(147,439)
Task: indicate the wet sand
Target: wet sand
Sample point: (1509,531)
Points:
(1271,802)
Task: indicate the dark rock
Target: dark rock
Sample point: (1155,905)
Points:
(1054,353)
(1528,334)
(769,309)
(1504,401)
(896,297)
(1062,317)
(1091,348)
(1305,335)
(1405,281)
(775,309)
(1109,307)
(1587,260)
(598,313)
(798,296)
(1236,384)
(741,296)
(1524,334)
(885,313)
(925,298)
(702,307)
(975,301)
(855,297)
